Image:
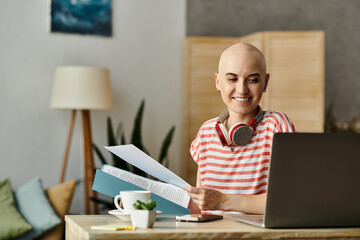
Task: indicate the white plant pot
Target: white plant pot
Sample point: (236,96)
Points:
(143,218)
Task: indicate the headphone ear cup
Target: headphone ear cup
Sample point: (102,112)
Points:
(222,133)
(240,134)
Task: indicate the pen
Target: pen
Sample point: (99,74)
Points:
(113,227)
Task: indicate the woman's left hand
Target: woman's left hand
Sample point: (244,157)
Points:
(206,198)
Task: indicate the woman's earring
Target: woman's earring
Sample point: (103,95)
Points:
(265,90)
(218,90)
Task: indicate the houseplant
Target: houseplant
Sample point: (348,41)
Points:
(144,214)
(118,138)
(333,125)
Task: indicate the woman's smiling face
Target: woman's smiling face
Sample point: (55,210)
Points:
(242,80)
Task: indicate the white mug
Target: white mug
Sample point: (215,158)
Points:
(128,198)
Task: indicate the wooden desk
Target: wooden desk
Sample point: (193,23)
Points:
(79,227)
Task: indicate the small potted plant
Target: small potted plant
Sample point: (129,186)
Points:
(144,214)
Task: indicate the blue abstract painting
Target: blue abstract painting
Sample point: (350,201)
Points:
(81,17)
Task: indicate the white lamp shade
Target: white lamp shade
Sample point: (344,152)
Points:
(78,87)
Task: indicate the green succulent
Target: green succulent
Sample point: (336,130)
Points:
(139,205)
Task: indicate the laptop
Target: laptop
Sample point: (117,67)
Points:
(314,181)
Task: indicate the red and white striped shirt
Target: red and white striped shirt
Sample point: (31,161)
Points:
(244,170)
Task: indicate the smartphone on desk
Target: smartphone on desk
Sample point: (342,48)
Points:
(198,217)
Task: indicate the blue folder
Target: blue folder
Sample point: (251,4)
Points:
(111,186)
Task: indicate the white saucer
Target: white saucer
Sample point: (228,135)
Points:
(125,216)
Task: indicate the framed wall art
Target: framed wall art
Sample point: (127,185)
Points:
(81,17)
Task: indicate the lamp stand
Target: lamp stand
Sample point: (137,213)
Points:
(88,162)
(67,148)
(88,159)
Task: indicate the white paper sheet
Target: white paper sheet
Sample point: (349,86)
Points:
(141,160)
(168,191)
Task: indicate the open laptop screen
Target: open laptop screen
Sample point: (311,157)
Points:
(314,180)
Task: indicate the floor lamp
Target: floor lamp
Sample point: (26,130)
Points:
(82,88)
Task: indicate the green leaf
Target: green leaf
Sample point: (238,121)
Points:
(110,133)
(136,136)
(143,206)
(118,132)
(99,154)
(150,205)
(139,172)
(136,133)
(165,146)
(120,163)
(123,142)
(117,162)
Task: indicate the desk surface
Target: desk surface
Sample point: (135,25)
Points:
(165,227)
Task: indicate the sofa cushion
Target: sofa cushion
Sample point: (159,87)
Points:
(12,224)
(34,205)
(60,197)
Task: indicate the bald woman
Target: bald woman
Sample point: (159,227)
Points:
(233,150)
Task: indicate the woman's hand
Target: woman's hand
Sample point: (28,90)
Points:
(211,199)
(206,198)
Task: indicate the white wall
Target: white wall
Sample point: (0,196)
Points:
(144,56)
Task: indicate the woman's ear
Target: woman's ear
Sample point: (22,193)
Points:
(267,78)
(216,76)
